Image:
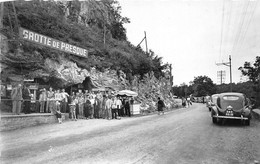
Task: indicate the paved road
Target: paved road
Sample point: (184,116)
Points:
(180,136)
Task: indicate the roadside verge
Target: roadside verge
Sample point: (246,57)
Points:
(256,114)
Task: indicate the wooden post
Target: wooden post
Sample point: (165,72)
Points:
(1,14)
(146,42)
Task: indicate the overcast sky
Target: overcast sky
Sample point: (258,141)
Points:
(187,34)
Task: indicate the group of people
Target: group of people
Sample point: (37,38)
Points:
(99,106)
(186,102)
(79,105)
(85,105)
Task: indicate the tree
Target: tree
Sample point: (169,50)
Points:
(203,85)
(253,72)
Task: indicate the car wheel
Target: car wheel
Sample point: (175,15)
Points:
(219,121)
(214,120)
(247,122)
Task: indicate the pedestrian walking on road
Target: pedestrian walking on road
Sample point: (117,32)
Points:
(58,114)
(183,102)
(189,101)
(160,106)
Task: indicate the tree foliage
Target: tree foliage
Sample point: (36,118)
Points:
(85,24)
(203,85)
(253,72)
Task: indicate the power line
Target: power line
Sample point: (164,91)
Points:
(222,24)
(249,22)
(228,25)
(240,27)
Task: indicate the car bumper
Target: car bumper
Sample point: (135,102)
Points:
(230,117)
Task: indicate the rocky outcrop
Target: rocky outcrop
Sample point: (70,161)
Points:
(67,71)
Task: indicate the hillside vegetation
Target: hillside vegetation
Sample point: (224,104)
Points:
(97,26)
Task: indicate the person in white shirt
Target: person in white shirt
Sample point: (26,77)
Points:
(72,105)
(114,108)
(92,101)
(64,102)
(119,107)
(108,108)
(58,99)
(50,101)
(42,100)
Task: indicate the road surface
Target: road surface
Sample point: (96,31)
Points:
(185,135)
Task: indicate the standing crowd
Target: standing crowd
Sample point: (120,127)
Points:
(99,106)
(87,105)
(79,105)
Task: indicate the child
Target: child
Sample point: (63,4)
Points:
(58,114)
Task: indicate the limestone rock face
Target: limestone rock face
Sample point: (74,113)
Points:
(67,71)
(108,78)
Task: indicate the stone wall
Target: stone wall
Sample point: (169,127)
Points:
(12,122)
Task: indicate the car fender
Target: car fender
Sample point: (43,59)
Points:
(214,110)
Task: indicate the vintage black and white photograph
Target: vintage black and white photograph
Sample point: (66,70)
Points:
(130,81)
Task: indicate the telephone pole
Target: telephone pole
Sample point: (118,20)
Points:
(171,77)
(145,42)
(228,64)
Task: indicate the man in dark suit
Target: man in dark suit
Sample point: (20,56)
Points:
(27,100)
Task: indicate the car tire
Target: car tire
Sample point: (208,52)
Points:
(214,120)
(219,121)
(247,122)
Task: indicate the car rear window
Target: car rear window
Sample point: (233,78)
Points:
(231,98)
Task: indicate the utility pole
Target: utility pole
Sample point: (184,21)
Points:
(1,14)
(171,78)
(145,42)
(229,65)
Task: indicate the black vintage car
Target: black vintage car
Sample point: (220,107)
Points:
(231,106)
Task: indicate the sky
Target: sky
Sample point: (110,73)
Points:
(194,35)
